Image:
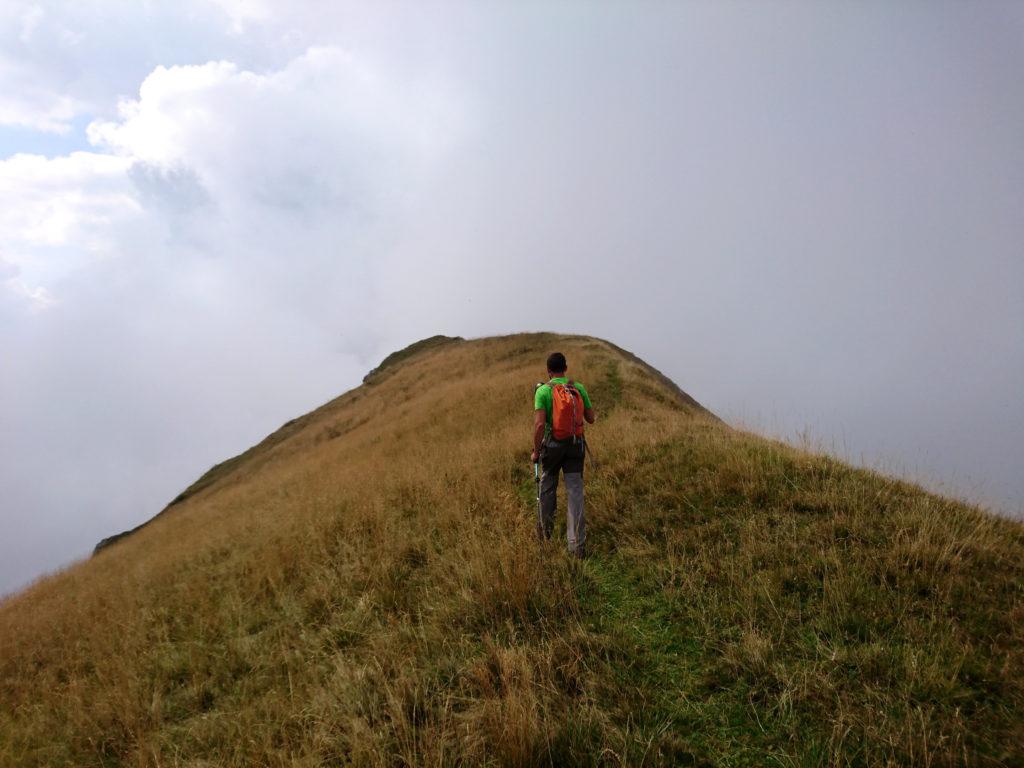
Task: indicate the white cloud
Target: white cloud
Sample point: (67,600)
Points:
(298,188)
(30,19)
(322,148)
(60,61)
(207,271)
(38,298)
(323,107)
(27,98)
(58,215)
(29,107)
(242,13)
(7,269)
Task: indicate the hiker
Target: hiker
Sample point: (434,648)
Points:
(560,407)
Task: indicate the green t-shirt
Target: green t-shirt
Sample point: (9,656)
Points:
(542,398)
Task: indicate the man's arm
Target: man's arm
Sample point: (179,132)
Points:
(539,421)
(588,408)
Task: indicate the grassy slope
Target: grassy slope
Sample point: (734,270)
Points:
(365,590)
(256,454)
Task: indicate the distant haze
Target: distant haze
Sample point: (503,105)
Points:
(215,216)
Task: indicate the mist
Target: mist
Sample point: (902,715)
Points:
(217,216)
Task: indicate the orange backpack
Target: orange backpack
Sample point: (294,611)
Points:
(566,411)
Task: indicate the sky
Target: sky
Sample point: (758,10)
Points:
(216,215)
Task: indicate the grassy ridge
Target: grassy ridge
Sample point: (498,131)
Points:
(368,592)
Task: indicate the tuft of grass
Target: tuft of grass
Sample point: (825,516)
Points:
(364,588)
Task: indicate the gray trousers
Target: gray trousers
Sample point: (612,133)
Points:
(567,458)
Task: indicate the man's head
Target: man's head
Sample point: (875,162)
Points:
(556,364)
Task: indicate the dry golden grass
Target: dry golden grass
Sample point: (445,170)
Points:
(365,589)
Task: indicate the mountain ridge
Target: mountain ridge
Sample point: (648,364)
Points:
(366,589)
(389,362)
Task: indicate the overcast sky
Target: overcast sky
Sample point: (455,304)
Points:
(217,214)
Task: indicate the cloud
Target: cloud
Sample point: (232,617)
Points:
(242,13)
(38,298)
(322,120)
(322,147)
(62,61)
(30,19)
(275,197)
(13,290)
(26,100)
(30,107)
(59,215)
(7,269)
(210,267)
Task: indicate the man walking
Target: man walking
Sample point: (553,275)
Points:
(560,408)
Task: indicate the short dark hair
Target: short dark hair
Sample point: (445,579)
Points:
(556,362)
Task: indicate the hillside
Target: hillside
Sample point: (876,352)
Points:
(363,588)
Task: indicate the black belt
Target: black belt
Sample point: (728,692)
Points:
(567,441)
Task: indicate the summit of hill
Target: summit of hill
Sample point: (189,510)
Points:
(363,587)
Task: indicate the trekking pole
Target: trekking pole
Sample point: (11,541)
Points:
(590,455)
(536,480)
